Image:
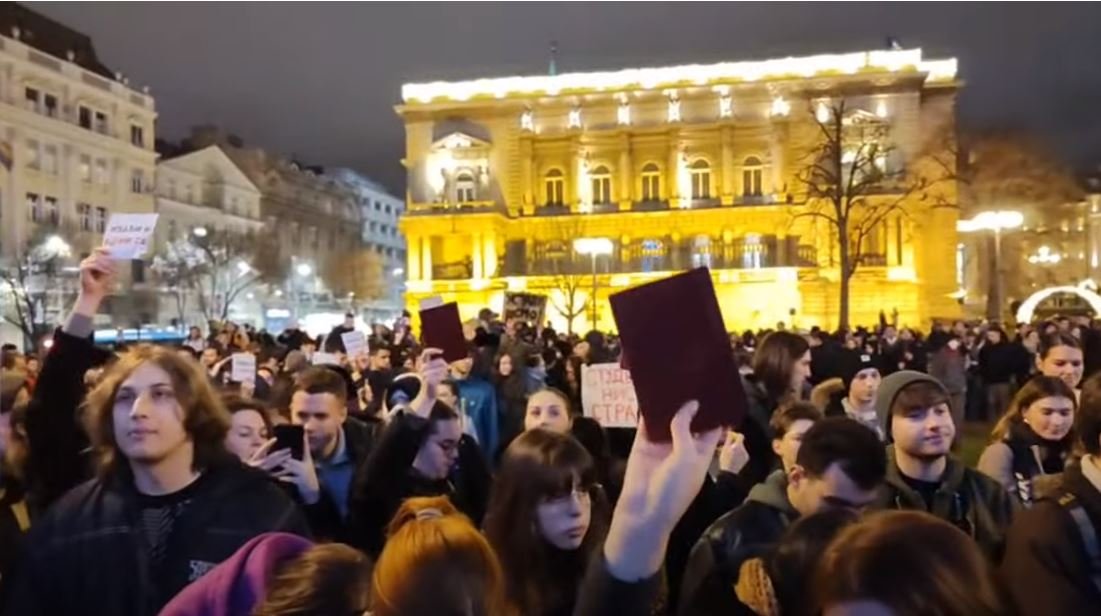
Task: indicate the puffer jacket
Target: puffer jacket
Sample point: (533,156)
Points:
(969,500)
(747,532)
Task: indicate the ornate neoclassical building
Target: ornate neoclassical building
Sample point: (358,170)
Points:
(675,168)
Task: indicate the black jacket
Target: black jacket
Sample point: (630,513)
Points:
(389,479)
(1046,570)
(997,363)
(967,499)
(293,339)
(324,515)
(747,532)
(602,594)
(88,554)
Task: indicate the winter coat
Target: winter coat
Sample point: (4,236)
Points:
(89,554)
(997,363)
(747,532)
(1046,570)
(967,499)
(950,368)
(479,400)
(758,434)
(324,516)
(601,593)
(1028,467)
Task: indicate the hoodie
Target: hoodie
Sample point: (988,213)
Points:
(746,532)
(240,583)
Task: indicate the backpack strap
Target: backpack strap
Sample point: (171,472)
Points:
(1070,504)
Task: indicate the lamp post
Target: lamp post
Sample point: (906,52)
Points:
(593,247)
(996,221)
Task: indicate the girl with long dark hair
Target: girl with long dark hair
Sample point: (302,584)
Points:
(547,517)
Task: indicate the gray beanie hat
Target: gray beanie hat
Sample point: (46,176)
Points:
(888,391)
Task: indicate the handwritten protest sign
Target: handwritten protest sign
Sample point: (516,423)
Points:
(355,343)
(608,396)
(128,235)
(244,368)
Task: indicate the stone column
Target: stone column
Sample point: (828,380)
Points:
(413,257)
(426,258)
(726,170)
(626,173)
(527,177)
(489,260)
(476,256)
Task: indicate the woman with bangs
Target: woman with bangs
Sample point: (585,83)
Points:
(547,518)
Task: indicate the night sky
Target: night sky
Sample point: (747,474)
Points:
(318,81)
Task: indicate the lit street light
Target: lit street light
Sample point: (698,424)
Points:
(594,247)
(56,246)
(199,231)
(996,221)
(303,269)
(398,271)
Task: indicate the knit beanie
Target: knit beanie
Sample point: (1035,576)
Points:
(853,362)
(889,389)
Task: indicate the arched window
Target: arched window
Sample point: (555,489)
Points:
(602,185)
(701,251)
(464,187)
(652,253)
(556,187)
(651,182)
(752,173)
(752,251)
(701,179)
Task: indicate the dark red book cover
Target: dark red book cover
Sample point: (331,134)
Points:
(442,329)
(679,350)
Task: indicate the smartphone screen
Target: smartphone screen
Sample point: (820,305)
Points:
(289,437)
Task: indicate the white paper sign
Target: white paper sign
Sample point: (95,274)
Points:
(429,303)
(355,343)
(244,368)
(326,359)
(608,396)
(128,235)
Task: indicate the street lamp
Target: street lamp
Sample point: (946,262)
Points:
(199,231)
(996,221)
(594,247)
(303,269)
(56,246)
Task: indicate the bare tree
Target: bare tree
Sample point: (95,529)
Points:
(571,305)
(358,275)
(30,278)
(853,183)
(218,268)
(566,273)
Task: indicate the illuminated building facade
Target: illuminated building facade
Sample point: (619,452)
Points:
(676,167)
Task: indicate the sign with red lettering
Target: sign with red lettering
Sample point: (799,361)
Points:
(608,395)
(127,235)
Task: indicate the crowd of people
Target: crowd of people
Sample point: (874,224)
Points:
(148,480)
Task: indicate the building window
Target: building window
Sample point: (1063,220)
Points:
(701,179)
(101,122)
(34,206)
(752,251)
(85,168)
(464,187)
(172,230)
(602,185)
(652,255)
(387,209)
(53,215)
(84,117)
(378,206)
(33,158)
(137,180)
(189,193)
(32,99)
(555,184)
(101,219)
(701,251)
(84,214)
(101,175)
(49,159)
(137,135)
(49,104)
(651,182)
(752,172)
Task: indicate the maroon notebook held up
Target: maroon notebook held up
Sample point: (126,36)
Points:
(442,329)
(677,349)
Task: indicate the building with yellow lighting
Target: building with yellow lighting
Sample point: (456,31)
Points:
(676,167)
